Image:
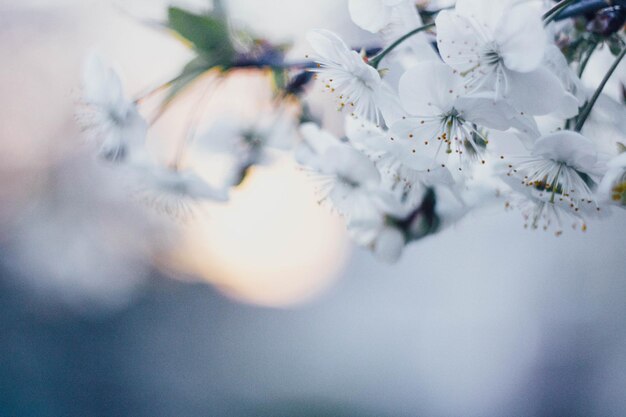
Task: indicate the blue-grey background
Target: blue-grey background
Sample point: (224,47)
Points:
(485,319)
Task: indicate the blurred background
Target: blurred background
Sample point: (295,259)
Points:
(262,307)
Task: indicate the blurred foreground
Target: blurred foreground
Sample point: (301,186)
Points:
(107,309)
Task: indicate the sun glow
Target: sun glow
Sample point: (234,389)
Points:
(272,244)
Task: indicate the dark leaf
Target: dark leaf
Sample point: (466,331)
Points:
(616,44)
(208,34)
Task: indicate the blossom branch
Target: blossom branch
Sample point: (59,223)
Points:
(585,61)
(589,106)
(552,14)
(375,61)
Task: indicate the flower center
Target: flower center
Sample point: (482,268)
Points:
(348,181)
(491,54)
(619,192)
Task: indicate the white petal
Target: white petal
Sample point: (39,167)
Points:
(458,41)
(347,162)
(568,147)
(450,207)
(429,89)
(328,45)
(417,48)
(177,184)
(521,37)
(318,139)
(101,85)
(315,143)
(486,12)
(540,92)
(617,168)
(197,188)
(364,229)
(388,104)
(556,62)
(389,245)
(370,15)
(415,144)
(364,135)
(485,111)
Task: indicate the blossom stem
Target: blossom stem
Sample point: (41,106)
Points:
(194,119)
(551,14)
(243,64)
(155,90)
(585,61)
(582,7)
(581,70)
(375,61)
(584,114)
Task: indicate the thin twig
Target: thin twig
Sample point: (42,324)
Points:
(589,106)
(551,14)
(585,61)
(375,61)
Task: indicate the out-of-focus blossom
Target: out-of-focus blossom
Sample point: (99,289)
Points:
(111,118)
(174,192)
(346,178)
(384,239)
(315,142)
(352,183)
(244,143)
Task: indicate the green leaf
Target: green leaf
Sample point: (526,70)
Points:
(279,78)
(208,34)
(616,44)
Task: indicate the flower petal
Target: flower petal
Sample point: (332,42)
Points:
(370,15)
(568,147)
(429,89)
(521,37)
(458,41)
(540,92)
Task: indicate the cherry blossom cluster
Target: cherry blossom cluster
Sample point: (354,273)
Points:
(459,106)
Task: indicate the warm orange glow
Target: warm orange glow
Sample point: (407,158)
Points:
(272,244)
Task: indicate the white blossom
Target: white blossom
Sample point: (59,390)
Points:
(112,118)
(374,15)
(357,85)
(397,176)
(426,137)
(393,19)
(558,179)
(315,142)
(172,191)
(443,120)
(606,125)
(500,46)
(345,177)
(373,232)
(613,185)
